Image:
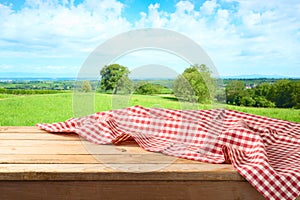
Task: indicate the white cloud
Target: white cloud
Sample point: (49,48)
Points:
(252,19)
(5,10)
(184,7)
(51,27)
(209,7)
(255,34)
(154,18)
(222,18)
(237,34)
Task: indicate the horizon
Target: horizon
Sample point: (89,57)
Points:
(42,78)
(53,38)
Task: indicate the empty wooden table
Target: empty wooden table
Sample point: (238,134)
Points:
(35,164)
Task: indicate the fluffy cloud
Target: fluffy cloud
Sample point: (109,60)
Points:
(209,7)
(239,35)
(58,27)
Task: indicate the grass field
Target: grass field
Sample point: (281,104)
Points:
(48,108)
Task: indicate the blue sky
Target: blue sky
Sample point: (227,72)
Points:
(54,37)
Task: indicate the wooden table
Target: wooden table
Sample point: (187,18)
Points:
(38,165)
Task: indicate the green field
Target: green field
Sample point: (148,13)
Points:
(28,110)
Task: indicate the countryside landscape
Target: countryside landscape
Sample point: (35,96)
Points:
(87,89)
(44,43)
(28,101)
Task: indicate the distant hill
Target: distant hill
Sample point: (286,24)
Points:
(257,76)
(32,76)
(5,79)
(134,76)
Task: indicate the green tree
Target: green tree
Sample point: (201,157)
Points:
(195,83)
(263,90)
(247,101)
(86,86)
(183,90)
(235,90)
(262,94)
(148,88)
(115,77)
(296,94)
(261,101)
(282,93)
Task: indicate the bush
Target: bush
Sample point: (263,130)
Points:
(28,92)
(148,89)
(263,102)
(247,101)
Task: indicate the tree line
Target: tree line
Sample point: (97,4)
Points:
(281,94)
(197,84)
(24,92)
(38,85)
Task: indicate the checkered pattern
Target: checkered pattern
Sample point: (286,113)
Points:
(265,151)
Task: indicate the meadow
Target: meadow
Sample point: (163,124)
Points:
(28,110)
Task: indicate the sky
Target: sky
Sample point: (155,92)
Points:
(53,38)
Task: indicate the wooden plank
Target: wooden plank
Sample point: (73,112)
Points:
(94,168)
(20,129)
(46,159)
(65,147)
(201,171)
(75,190)
(37,143)
(45,143)
(39,136)
(75,149)
(154,158)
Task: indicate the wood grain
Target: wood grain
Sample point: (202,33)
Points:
(39,136)
(109,171)
(20,129)
(90,159)
(173,190)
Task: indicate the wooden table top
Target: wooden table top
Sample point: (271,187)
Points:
(28,153)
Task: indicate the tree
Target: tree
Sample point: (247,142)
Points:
(296,95)
(263,90)
(86,86)
(282,93)
(148,88)
(183,89)
(261,101)
(247,101)
(235,90)
(115,77)
(195,83)
(262,94)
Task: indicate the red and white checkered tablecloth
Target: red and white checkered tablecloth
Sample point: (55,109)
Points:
(265,151)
